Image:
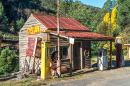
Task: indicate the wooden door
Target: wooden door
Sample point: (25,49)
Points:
(87,59)
(76,55)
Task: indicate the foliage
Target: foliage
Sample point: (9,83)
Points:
(3,18)
(12,28)
(123,13)
(107,17)
(116,31)
(19,23)
(107,46)
(94,48)
(7,58)
(109,4)
(114,19)
(107,27)
(103,28)
(14,13)
(125,34)
(1,11)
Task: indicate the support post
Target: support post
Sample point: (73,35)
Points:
(127,52)
(110,53)
(70,59)
(58,61)
(33,65)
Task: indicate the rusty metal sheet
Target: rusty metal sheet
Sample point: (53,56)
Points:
(31,46)
(50,22)
(83,34)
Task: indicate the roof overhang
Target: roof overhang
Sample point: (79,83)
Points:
(84,36)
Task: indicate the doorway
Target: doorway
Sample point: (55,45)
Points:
(77,55)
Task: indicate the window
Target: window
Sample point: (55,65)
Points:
(63,51)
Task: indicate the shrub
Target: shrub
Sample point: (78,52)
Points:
(7,60)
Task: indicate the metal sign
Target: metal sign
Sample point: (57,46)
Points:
(31,46)
(33,30)
(70,40)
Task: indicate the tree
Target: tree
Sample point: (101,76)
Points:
(123,13)
(3,18)
(19,23)
(1,11)
(104,25)
(107,17)
(113,18)
(102,28)
(107,5)
(7,58)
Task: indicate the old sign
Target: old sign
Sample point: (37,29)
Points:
(31,46)
(34,47)
(33,30)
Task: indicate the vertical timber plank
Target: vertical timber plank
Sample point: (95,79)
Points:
(70,59)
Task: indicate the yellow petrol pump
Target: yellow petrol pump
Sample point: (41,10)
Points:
(45,55)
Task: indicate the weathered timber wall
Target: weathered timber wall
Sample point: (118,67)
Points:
(86,45)
(23,39)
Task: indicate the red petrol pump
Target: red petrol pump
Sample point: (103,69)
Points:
(119,52)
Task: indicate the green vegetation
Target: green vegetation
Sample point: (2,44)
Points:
(14,13)
(90,16)
(8,61)
(24,82)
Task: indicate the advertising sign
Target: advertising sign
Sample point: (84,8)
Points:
(33,30)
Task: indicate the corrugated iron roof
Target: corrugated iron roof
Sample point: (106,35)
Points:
(50,22)
(83,34)
(72,27)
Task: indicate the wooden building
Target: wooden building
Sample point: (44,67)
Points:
(70,30)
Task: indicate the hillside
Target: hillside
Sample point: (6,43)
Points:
(16,12)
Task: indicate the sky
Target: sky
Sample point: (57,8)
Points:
(95,3)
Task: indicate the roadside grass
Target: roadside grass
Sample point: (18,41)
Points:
(23,82)
(94,59)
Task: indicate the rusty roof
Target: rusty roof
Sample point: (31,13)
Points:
(50,22)
(72,27)
(89,35)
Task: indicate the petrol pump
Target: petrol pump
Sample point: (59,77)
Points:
(119,52)
(45,55)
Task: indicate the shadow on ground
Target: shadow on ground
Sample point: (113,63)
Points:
(94,68)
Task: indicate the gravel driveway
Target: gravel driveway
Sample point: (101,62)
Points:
(113,77)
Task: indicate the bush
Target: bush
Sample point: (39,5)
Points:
(7,60)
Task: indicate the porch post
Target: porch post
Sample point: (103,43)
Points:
(110,53)
(127,52)
(70,59)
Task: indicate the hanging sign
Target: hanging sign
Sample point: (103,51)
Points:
(33,30)
(70,40)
